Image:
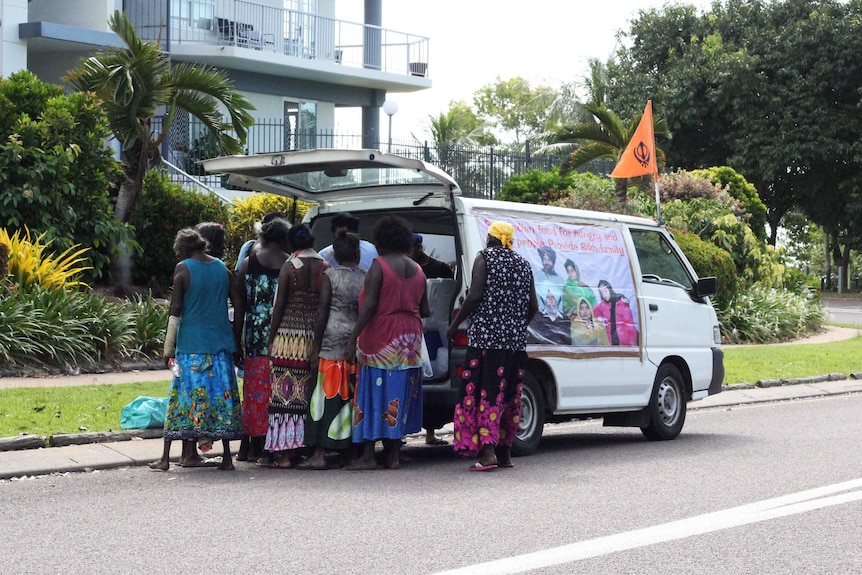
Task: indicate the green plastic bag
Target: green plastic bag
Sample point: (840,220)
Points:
(144,413)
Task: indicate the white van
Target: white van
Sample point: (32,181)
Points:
(625,329)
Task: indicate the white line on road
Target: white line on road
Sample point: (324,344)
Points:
(837,494)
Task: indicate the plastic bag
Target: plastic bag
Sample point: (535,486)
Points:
(144,413)
(427,369)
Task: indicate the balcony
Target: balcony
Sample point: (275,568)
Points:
(275,40)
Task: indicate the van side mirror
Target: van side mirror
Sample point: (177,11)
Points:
(705,287)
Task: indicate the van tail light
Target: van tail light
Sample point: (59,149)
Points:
(460,338)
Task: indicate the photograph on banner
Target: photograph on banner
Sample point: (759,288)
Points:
(583,283)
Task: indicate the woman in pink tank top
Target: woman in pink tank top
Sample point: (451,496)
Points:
(388,342)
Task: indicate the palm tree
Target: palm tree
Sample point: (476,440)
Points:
(457,125)
(606,136)
(137,82)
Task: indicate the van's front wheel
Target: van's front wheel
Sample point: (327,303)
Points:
(667,405)
(532,418)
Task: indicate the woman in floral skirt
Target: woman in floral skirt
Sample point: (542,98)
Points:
(257,279)
(203,401)
(500,304)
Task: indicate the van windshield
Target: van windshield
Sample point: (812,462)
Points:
(352,178)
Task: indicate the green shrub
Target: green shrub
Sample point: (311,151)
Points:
(150,320)
(799,282)
(62,329)
(536,186)
(56,171)
(710,261)
(744,192)
(761,314)
(164,209)
(589,192)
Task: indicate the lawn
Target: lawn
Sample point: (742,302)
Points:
(753,363)
(49,410)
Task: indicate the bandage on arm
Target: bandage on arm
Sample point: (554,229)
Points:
(171,336)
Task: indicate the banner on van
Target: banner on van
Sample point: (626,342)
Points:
(583,283)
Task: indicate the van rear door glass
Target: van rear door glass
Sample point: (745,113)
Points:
(658,259)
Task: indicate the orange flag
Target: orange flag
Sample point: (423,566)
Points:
(639,157)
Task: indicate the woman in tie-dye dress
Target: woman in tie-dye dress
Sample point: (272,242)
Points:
(388,398)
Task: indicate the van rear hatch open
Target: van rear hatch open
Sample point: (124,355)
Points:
(319,176)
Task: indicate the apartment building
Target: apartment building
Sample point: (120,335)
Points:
(294,60)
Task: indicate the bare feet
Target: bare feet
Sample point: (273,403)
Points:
(284,463)
(193,461)
(316,461)
(159,465)
(361,464)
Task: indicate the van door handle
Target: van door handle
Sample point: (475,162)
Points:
(653,307)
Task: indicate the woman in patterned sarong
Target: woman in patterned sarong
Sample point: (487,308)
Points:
(290,340)
(330,416)
(257,279)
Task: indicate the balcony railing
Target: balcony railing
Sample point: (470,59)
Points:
(285,32)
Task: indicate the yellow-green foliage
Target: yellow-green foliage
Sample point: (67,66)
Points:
(245,212)
(31,266)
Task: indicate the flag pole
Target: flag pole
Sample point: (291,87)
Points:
(658,203)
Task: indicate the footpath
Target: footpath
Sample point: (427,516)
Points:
(142,447)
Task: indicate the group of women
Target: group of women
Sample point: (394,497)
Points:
(332,354)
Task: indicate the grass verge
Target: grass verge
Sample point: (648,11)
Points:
(49,410)
(753,363)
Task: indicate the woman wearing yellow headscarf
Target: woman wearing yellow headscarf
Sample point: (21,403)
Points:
(500,304)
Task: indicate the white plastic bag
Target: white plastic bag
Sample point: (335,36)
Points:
(427,369)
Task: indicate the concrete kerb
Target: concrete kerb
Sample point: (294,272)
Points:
(138,451)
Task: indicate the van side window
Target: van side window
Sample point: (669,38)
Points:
(658,259)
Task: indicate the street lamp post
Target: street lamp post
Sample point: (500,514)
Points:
(389,108)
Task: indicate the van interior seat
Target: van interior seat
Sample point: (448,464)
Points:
(441,292)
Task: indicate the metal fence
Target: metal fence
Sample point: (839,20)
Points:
(480,171)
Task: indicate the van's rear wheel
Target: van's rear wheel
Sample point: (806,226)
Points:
(532,417)
(667,405)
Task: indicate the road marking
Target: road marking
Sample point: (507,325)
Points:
(809,500)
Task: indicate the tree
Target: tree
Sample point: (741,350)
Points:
(458,125)
(605,136)
(519,111)
(770,89)
(137,82)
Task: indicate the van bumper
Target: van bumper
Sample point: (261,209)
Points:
(717,371)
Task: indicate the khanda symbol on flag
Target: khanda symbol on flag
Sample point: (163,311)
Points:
(638,159)
(642,154)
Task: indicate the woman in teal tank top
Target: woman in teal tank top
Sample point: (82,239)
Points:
(204,401)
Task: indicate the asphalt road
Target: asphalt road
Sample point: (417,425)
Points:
(764,489)
(843,310)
